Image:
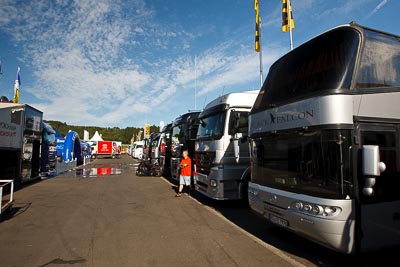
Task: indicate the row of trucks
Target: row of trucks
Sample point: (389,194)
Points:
(135,150)
(215,140)
(315,151)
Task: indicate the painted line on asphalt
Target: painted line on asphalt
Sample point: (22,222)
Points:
(273,249)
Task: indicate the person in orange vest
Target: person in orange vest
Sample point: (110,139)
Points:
(186,172)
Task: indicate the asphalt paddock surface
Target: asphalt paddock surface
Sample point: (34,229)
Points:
(102,214)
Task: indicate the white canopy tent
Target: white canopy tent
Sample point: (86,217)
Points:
(96,137)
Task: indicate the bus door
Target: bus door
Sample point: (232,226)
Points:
(380,211)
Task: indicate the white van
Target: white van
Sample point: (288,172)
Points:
(138,150)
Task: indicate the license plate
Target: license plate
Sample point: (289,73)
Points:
(278,221)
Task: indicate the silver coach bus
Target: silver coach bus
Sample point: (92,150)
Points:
(325,141)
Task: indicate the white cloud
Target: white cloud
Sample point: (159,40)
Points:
(139,30)
(77,52)
(236,70)
(376,9)
(110,63)
(309,10)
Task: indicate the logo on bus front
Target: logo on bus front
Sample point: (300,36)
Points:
(283,118)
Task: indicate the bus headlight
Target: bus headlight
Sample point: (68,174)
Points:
(307,208)
(330,211)
(315,209)
(298,205)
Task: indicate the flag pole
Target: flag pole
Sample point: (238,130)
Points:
(195,82)
(257,45)
(289,7)
(260,54)
(1,71)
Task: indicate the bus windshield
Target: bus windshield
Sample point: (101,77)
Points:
(212,127)
(379,61)
(325,64)
(315,162)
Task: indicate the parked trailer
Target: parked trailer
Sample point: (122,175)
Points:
(325,144)
(20,140)
(106,149)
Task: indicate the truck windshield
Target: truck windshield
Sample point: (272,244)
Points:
(177,136)
(309,162)
(212,127)
(154,142)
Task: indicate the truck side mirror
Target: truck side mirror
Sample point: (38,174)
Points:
(371,167)
(236,124)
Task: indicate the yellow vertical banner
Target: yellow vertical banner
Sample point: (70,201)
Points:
(287,16)
(147,130)
(257,37)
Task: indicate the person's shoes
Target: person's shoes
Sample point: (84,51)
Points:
(178,195)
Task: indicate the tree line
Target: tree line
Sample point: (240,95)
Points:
(123,135)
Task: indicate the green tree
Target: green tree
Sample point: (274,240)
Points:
(115,134)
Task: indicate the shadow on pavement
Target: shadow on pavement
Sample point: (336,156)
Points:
(239,213)
(14,211)
(61,261)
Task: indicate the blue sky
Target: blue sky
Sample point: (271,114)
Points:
(115,63)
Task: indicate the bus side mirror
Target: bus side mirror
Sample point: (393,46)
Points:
(371,167)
